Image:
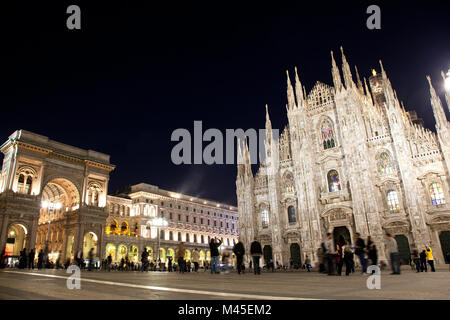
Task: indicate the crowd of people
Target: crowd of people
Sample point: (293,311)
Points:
(333,257)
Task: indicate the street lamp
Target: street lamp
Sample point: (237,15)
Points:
(159,223)
(51,206)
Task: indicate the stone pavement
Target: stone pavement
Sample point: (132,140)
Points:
(51,284)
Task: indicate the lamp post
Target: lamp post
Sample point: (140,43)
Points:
(51,206)
(159,223)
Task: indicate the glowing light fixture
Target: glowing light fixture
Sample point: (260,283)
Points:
(447,81)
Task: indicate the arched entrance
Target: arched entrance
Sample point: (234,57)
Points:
(403,248)
(202,257)
(110,250)
(170,253)
(16,241)
(150,253)
(444,238)
(90,241)
(267,250)
(187,255)
(339,232)
(134,254)
(121,252)
(296,255)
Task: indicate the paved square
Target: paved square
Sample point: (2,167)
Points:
(51,284)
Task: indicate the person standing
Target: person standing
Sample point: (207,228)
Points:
(239,251)
(372,251)
(181,252)
(214,249)
(430,258)
(360,247)
(321,258)
(170,265)
(330,254)
(308,263)
(195,259)
(256,253)
(392,248)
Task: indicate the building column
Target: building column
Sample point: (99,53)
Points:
(4,234)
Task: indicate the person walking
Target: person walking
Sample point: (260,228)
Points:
(91,259)
(392,248)
(109,262)
(416,259)
(360,247)
(144,260)
(170,265)
(214,249)
(321,258)
(423,261)
(340,254)
(58,260)
(195,259)
(308,263)
(256,253)
(31,259)
(40,259)
(430,258)
(181,252)
(330,254)
(372,252)
(348,257)
(239,252)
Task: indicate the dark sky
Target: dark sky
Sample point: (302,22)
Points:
(135,72)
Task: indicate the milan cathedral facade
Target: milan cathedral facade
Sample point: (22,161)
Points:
(351,159)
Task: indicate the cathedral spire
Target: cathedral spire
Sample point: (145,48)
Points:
(268,123)
(290,93)
(368,93)
(346,71)
(299,90)
(358,80)
(447,94)
(335,73)
(438,110)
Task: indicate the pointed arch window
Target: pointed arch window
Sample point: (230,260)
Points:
(334,183)
(327,132)
(392,201)
(289,184)
(385,166)
(291,214)
(265,218)
(436,194)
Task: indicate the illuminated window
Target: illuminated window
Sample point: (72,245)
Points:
(265,218)
(326,129)
(436,194)
(333,181)
(385,164)
(392,201)
(289,184)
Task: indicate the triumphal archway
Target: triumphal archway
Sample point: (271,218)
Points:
(52,195)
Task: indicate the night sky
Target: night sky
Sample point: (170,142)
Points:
(135,72)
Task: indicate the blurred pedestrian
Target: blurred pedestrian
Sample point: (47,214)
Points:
(372,251)
(340,254)
(348,257)
(430,258)
(181,252)
(214,245)
(144,260)
(195,259)
(416,259)
(392,248)
(330,254)
(256,253)
(308,263)
(239,251)
(360,247)
(31,259)
(423,261)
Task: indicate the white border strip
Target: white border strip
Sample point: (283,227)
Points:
(167,289)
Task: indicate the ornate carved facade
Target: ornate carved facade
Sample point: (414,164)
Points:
(350,160)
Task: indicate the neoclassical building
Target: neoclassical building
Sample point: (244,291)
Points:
(37,170)
(351,159)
